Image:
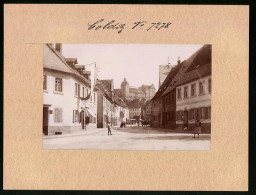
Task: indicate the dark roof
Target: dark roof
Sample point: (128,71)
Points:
(120,102)
(74,60)
(167,81)
(105,84)
(195,74)
(106,95)
(201,56)
(136,103)
(65,67)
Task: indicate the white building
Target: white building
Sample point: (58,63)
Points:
(63,91)
(193,99)
(134,111)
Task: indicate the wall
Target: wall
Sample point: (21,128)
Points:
(197,101)
(65,100)
(169,111)
(100,109)
(156,113)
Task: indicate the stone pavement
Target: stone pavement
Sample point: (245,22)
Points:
(129,138)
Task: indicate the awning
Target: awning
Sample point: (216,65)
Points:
(91,112)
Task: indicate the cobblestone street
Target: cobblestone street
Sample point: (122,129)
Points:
(129,138)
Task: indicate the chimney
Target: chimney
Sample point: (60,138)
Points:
(58,47)
(178,62)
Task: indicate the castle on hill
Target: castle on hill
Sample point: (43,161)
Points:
(128,92)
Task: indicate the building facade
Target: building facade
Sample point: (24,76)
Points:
(163,72)
(146,110)
(185,94)
(134,112)
(194,99)
(63,91)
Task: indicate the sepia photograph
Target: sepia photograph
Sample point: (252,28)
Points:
(126,96)
(121,97)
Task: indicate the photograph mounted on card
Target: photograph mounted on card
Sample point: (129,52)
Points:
(148,96)
(102,97)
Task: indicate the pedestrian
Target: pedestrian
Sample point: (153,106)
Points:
(109,128)
(197,128)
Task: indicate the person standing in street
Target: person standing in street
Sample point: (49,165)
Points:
(197,128)
(109,128)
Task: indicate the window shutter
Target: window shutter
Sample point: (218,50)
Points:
(55,115)
(205,113)
(60,114)
(79,116)
(190,114)
(197,113)
(73,116)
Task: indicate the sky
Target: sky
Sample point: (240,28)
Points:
(138,63)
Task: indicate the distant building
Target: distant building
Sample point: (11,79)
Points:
(146,110)
(111,108)
(163,72)
(135,108)
(129,93)
(105,109)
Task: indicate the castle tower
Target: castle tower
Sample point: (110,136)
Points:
(125,89)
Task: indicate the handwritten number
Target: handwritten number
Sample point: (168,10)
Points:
(162,26)
(151,26)
(167,25)
(157,24)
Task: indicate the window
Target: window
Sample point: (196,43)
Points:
(179,94)
(185,92)
(179,115)
(78,86)
(201,114)
(94,98)
(193,90)
(45,82)
(75,116)
(58,115)
(58,84)
(201,88)
(209,85)
(192,114)
(206,115)
(209,112)
(83,92)
(76,89)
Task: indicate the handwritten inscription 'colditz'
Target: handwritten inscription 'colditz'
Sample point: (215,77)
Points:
(110,25)
(119,27)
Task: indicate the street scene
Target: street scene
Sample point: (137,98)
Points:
(130,138)
(126,97)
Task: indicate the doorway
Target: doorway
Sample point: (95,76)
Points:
(82,119)
(185,119)
(45,120)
